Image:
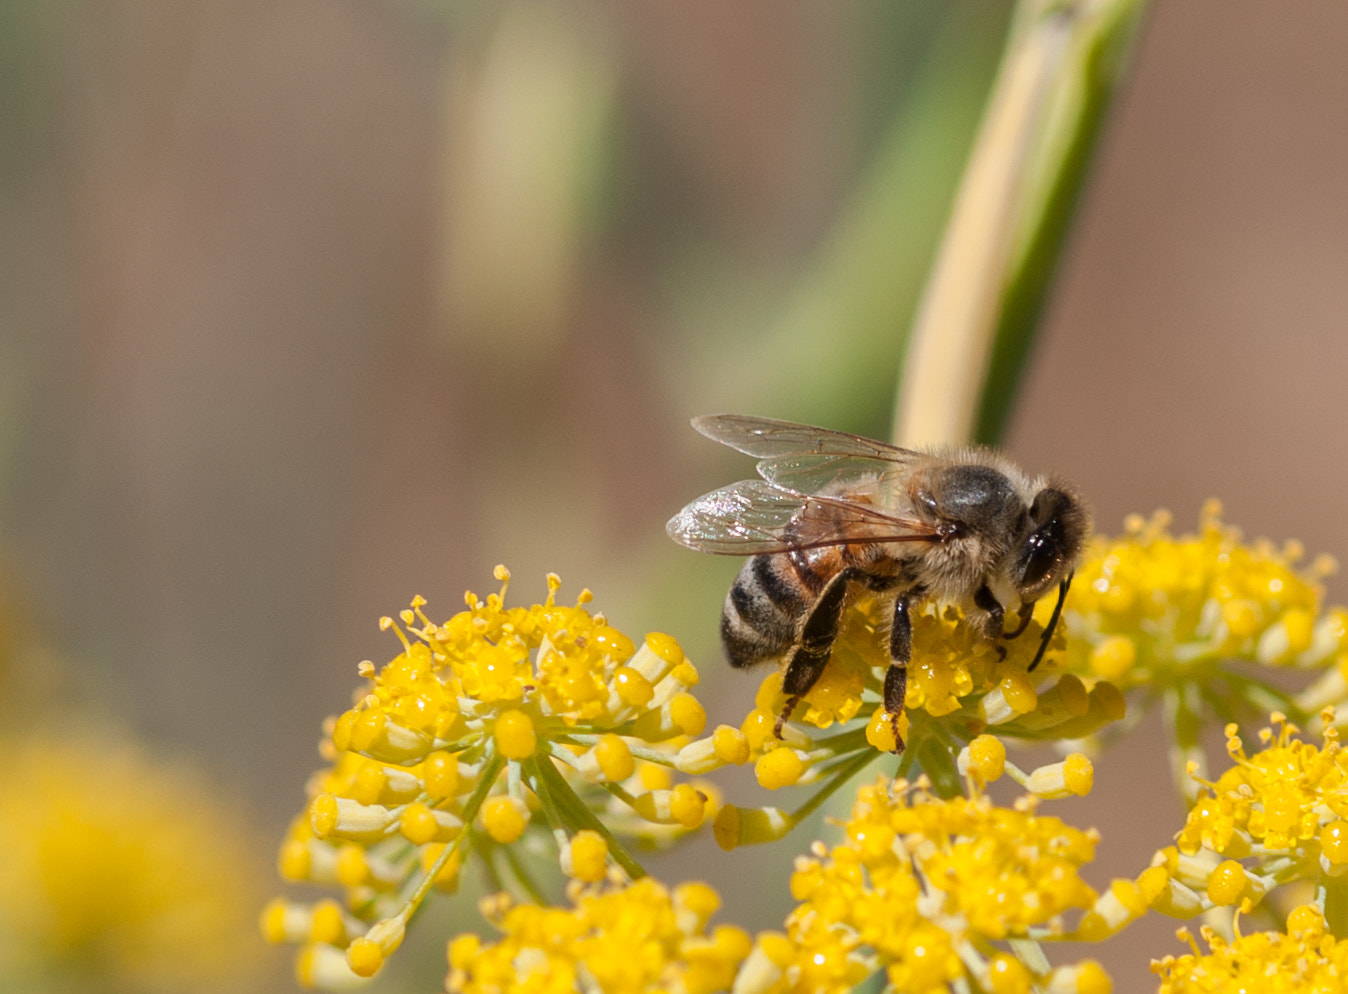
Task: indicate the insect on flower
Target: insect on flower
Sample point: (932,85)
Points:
(833,512)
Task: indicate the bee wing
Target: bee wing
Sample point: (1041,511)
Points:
(753,517)
(802,457)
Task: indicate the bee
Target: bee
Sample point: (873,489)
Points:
(834,513)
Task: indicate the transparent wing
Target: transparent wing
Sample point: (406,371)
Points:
(753,517)
(802,457)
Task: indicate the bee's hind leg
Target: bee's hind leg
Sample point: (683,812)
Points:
(817,636)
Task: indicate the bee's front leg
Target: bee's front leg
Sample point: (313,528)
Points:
(986,601)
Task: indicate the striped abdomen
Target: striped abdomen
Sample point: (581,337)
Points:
(770,598)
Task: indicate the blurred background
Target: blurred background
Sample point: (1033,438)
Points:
(308,307)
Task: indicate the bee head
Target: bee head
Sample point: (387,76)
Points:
(1055,531)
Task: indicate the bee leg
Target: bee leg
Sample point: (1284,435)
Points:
(816,644)
(984,600)
(900,653)
(1026,613)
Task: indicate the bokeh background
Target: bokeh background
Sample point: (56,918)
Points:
(307,307)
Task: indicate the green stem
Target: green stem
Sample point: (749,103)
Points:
(1006,230)
(1032,955)
(1334,892)
(484,785)
(855,765)
(1183,715)
(574,812)
(523,876)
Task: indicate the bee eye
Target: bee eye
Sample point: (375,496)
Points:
(1041,555)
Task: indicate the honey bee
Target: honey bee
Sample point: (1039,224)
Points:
(834,512)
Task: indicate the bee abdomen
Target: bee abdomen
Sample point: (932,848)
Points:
(762,611)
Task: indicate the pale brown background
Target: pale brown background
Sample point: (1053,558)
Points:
(243,412)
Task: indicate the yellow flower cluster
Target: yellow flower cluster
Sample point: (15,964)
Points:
(1306,959)
(955,674)
(638,937)
(119,873)
(1283,810)
(462,741)
(1288,794)
(920,889)
(1149,606)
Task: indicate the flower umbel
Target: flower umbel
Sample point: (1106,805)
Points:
(638,937)
(924,888)
(1305,959)
(1151,609)
(497,723)
(119,871)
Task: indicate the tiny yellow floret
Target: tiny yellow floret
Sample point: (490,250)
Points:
(987,758)
(880,730)
(1018,690)
(1008,975)
(589,856)
(364,957)
(440,773)
(634,690)
(323,815)
(1307,919)
(1090,978)
(1334,842)
(614,757)
(515,735)
(666,647)
(462,950)
(687,805)
(327,925)
(688,714)
(1078,774)
(779,768)
(418,824)
(1114,657)
(272,922)
(726,827)
(504,818)
(731,745)
(1227,883)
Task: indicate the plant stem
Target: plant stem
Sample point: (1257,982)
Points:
(1008,225)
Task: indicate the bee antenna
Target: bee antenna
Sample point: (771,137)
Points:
(1052,622)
